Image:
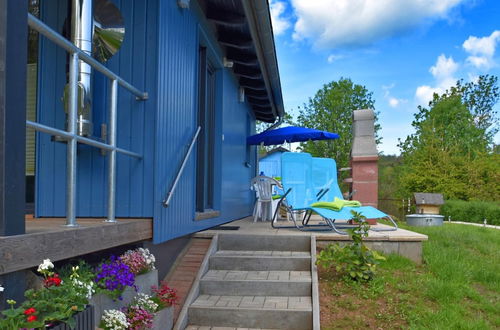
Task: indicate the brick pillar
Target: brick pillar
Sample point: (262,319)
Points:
(364,158)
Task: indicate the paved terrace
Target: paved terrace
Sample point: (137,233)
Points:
(401,241)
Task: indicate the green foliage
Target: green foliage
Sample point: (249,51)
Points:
(354,261)
(450,151)
(13,318)
(456,287)
(331,110)
(58,303)
(389,168)
(472,211)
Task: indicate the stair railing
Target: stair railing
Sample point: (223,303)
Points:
(166,201)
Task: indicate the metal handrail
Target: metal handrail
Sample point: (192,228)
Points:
(76,54)
(63,134)
(59,40)
(166,201)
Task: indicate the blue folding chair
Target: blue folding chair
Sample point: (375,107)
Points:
(306,180)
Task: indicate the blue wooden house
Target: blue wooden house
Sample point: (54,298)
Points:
(113,137)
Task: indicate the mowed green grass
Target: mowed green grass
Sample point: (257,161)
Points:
(457,287)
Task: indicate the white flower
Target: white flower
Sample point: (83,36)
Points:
(114,320)
(148,256)
(1,288)
(87,289)
(144,301)
(45,265)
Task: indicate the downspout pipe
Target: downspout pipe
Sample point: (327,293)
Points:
(276,124)
(82,24)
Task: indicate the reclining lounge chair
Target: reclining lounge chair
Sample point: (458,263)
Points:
(306,180)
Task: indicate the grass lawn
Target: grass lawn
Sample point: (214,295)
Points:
(457,287)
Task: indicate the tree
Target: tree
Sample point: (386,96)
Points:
(450,151)
(331,110)
(479,97)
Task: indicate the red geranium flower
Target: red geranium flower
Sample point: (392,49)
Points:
(30,311)
(53,280)
(31,318)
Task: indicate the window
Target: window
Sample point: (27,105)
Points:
(205,167)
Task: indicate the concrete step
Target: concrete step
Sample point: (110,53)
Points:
(280,312)
(256,283)
(260,260)
(264,242)
(202,327)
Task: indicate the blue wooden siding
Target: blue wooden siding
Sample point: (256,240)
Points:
(160,56)
(135,62)
(181,32)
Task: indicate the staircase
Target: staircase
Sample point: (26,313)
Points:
(255,282)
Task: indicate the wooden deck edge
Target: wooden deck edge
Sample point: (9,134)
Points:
(25,251)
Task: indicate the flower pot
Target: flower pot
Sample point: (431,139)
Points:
(103,302)
(84,321)
(144,282)
(164,319)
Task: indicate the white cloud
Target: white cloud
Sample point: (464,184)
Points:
(280,23)
(334,23)
(443,72)
(332,58)
(393,102)
(482,50)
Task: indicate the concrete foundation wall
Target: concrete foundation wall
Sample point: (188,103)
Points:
(410,250)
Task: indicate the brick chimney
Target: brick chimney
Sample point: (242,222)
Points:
(364,158)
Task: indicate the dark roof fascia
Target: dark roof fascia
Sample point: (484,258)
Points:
(259,23)
(428,199)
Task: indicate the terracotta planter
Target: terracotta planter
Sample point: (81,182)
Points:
(84,321)
(164,319)
(103,302)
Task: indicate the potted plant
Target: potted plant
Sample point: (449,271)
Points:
(166,298)
(60,304)
(112,278)
(141,262)
(144,312)
(114,320)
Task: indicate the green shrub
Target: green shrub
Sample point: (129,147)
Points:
(354,260)
(472,211)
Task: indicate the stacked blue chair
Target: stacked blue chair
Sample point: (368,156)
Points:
(306,180)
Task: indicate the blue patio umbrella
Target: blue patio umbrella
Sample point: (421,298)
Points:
(290,134)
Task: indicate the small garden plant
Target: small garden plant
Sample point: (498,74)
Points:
(353,261)
(57,301)
(141,311)
(66,292)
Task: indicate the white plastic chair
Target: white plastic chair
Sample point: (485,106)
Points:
(263,186)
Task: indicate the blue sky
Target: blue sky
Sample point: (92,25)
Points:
(401,50)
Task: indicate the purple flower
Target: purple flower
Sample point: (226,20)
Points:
(113,275)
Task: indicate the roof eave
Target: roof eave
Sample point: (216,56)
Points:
(259,22)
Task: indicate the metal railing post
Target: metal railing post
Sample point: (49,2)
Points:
(112,153)
(71,166)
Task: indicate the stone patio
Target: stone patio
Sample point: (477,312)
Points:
(401,241)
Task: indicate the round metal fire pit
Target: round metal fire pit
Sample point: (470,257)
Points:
(424,220)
